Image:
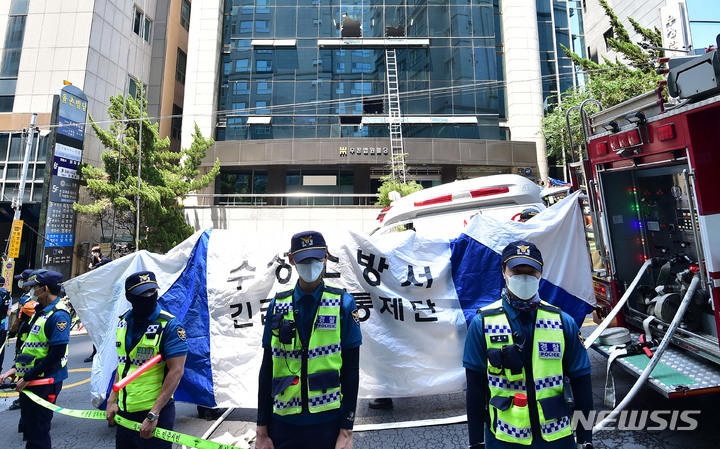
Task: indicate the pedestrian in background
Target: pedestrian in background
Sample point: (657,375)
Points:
(96,258)
(524,356)
(43,355)
(144,332)
(309,375)
(527,214)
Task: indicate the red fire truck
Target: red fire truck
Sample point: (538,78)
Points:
(652,177)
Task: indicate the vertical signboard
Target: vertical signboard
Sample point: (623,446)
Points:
(675,29)
(15,236)
(63,185)
(7,272)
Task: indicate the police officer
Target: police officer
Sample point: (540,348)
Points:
(527,214)
(309,376)
(5,304)
(44,355)
(26,310)
(144,332)
(525,365)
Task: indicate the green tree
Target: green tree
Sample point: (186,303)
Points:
(390,184)
(166,178)
(610,82)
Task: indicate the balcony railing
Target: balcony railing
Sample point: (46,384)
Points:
(286,199)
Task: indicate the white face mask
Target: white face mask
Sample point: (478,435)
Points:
(310,271)
(524,286)
(33,296)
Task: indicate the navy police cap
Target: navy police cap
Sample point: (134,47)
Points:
(307,244)
(44,277)
(25,275)
(140,282)
(522,253)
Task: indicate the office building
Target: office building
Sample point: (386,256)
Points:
(105,48)
(299,94)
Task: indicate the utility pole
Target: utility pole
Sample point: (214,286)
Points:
(23,179)
(16,234)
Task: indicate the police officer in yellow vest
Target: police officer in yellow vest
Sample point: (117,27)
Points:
(144,332)
(525,364)
(43,355)
(309,376)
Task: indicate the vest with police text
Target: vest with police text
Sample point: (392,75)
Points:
(141,393)
(509,417)
(322,357)
(36,345)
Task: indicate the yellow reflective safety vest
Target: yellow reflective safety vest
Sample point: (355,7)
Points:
(510,419)
(306,374)
(36,344)
(141,393)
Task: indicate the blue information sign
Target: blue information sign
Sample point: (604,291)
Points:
(64,180)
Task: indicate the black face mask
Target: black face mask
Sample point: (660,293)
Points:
(142,306)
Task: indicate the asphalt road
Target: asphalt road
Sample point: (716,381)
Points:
(70,432)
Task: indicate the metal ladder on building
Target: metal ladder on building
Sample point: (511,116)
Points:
(397,153)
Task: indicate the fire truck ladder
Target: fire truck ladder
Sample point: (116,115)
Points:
(397,154)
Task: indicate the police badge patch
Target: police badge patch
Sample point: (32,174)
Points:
(328,322)
(181,333)
(582,338)
(61,325)
(144,354)
(549,350)
(356,316)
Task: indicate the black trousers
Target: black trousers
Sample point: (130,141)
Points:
(315,436)
(3,335)
(36,418)
(130,439)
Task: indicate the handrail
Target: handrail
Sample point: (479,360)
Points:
(286,199)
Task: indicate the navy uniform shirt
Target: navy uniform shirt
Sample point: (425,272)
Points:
(173,342)
(305,308)
(576,362)
(5,304)
(57,331)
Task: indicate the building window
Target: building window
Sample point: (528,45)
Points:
(608,35)
(180,65)
(176,123)
(185,15)
(134,88)
(142,24)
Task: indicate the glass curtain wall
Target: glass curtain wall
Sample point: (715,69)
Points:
(313,91)
(12,154)
(559,25)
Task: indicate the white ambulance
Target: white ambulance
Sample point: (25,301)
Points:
(446,209)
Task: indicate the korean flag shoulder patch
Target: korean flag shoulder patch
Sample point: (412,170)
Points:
(181,333)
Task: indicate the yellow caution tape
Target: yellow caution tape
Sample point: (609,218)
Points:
(163,434)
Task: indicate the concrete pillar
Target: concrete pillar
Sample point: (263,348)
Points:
(523,75)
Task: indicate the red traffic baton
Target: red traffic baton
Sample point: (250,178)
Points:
(134,375)
(32,383)
(47,381)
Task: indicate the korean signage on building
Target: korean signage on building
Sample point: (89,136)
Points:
(64,182)
(675,29)
(362,151)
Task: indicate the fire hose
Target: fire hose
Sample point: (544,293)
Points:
(606,322)
(655,358)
